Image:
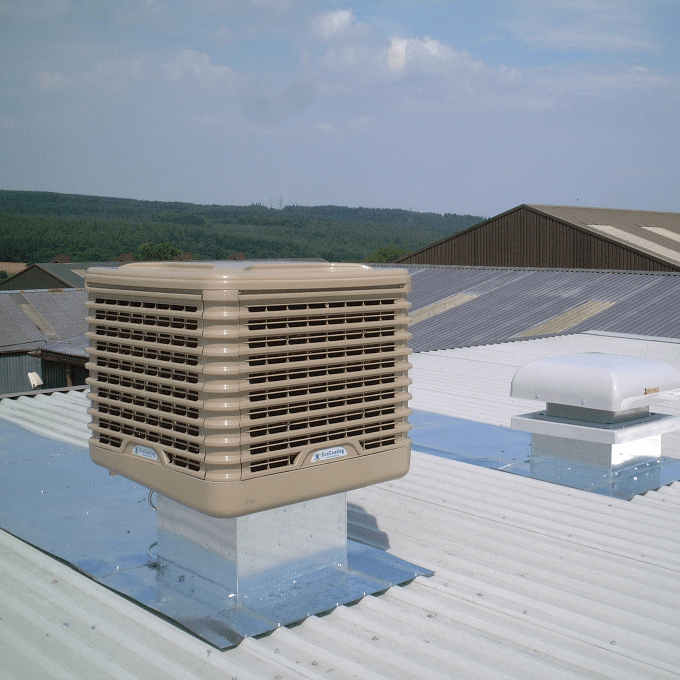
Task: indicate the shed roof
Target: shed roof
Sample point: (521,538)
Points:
(452,306)
(531,579)
(33,318)
(72,348)
(67,275)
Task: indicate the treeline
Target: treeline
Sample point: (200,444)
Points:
(37,226)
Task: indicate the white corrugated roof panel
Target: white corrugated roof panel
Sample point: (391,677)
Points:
(60,415)
(473,383)
(532,580)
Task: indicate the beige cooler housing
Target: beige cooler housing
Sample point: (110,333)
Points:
(235,387)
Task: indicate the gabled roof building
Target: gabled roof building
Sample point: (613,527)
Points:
(32,319)
(563,237)
(52,275)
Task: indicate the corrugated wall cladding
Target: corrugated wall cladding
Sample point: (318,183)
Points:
(14,370)
(526,238)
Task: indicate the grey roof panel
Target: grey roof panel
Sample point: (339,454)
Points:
(17,331)
(71,347)
(654,233)
(73,272)
(62,311)
(510,301)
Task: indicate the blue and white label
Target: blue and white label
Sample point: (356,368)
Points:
(145,452)
(329,454)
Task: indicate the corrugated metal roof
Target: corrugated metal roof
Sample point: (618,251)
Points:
(532,580)
(60,415)
(452,306)
(23,314)
(473,383)
(71,347)
(507,302)
(566,320)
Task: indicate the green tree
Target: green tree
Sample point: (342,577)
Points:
(387,254)
(157,251)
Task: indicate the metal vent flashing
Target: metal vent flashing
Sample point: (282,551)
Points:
(597,430)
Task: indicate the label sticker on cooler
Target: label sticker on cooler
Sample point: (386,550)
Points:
(329,454)
(145,452)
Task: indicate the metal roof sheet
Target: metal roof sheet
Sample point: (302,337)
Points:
(71,347)
(60,415)
(451,306)
(473,383)
(500,304)
(31,319)
(532,580)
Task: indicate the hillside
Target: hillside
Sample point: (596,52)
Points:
(37,226)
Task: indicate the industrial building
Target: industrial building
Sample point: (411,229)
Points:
(452,306)
(532,579)
(563,237)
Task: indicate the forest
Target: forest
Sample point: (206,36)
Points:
(38,226)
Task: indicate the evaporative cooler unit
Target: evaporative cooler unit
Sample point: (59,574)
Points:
(236,387)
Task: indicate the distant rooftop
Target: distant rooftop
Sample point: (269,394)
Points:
(33,318)
(457,306)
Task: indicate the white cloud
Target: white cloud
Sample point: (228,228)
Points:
(326,128)
(340,24)
(198,64)
(396,55)
(427,54)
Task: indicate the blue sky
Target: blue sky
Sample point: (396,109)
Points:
(462,106)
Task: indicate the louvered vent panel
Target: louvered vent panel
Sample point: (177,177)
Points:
(145,361)
(343,366)
(239,382)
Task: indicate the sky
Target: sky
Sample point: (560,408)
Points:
(460,106)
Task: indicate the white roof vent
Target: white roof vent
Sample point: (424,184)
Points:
(607,382)
(597,423)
